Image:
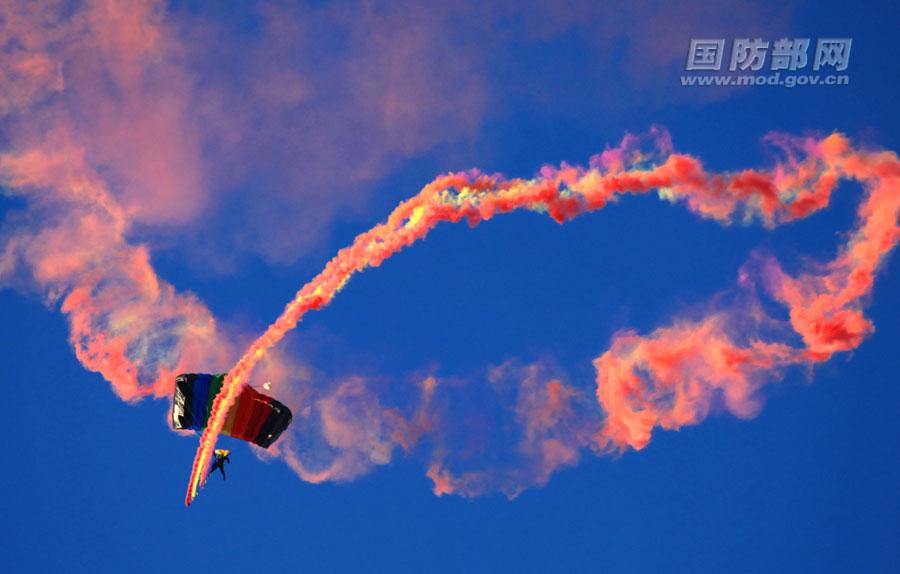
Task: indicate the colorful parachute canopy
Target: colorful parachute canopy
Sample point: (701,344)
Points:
(254,417)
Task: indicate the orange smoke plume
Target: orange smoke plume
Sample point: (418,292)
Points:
(126,323)
(671,377)
(94,150)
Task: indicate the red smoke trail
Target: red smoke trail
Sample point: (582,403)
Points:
(669,378)
(98,143)
(126,323)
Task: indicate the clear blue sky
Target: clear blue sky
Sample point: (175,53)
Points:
(91,483)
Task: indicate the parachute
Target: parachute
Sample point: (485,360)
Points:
(254,417)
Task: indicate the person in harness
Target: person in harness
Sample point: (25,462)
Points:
(221,459)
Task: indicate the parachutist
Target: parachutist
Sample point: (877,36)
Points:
(251,416)
(221,459)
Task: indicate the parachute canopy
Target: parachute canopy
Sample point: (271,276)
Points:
(254,417)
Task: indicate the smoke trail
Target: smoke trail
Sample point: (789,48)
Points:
(669,378)
(95,145)
(125,322)
(99,106)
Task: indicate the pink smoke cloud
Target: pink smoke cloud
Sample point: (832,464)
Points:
(308,112)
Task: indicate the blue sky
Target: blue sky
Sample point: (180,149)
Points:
(93,483)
